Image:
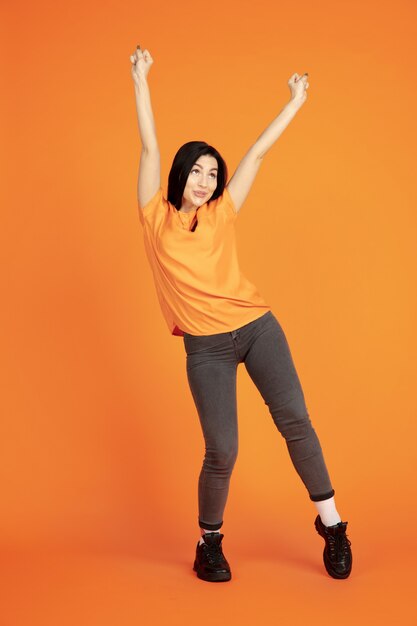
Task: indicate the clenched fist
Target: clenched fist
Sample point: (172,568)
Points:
(141,64)
(298,87)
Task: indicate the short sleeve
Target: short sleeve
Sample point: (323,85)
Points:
(151,205)
(229,205)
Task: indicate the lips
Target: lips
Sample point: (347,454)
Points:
(199,194)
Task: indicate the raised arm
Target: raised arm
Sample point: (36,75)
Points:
(244,176)
(149,177)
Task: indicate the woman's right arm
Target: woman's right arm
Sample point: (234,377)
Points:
(149,177)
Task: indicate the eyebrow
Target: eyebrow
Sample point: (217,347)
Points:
(213,168)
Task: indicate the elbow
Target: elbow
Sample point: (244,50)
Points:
(258,153)
(150,148)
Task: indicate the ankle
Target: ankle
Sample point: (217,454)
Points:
(204,531)
(328,512)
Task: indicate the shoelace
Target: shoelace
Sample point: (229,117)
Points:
(339,546)
(214,553)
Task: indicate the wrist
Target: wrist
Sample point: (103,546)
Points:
(140,82)
(295,103)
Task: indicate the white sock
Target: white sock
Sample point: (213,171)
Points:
(328,512)
(203,531)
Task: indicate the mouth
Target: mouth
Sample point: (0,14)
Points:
(200,194)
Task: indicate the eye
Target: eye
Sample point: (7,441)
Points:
(213,175)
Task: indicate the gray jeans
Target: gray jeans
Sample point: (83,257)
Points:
(212,362)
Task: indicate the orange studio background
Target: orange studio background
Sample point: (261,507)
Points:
(101,445)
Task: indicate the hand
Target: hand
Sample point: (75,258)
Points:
(141,64)
(298,86)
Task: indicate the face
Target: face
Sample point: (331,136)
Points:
(201,182)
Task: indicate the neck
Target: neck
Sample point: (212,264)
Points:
(187,208)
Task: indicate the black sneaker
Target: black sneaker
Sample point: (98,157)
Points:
(210,562)
(337,555)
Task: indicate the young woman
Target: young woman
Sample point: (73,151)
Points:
(190,243)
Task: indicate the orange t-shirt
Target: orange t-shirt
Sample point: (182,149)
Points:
(200,287)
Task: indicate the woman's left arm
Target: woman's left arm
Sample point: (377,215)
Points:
(244,176)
